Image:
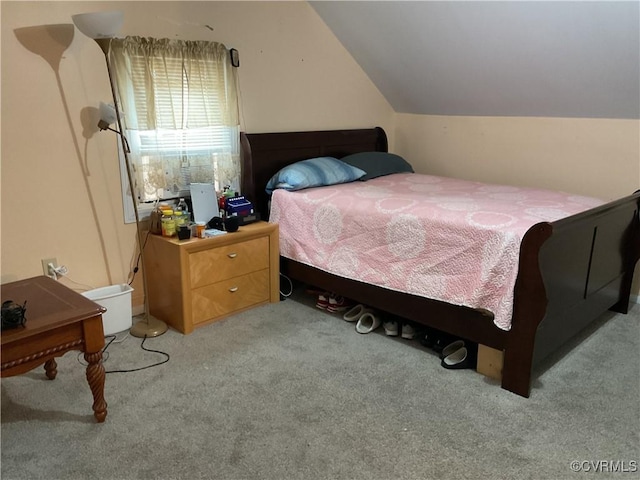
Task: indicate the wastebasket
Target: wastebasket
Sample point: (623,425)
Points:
(117,300)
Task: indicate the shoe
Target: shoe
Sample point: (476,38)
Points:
(408,331)
(323,300)
(354,314)
(367,323)
(391,328)
(452,347)
(428,338)
(464,357)
(441,340)
(339,304)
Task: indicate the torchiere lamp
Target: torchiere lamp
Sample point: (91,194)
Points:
(102,27)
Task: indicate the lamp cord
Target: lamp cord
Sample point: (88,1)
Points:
(283,294)
(124,139)
(106,356)
(137,265)
(167,357)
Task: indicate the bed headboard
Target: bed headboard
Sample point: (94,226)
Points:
(263,154)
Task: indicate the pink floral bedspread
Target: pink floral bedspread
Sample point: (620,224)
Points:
(446,239)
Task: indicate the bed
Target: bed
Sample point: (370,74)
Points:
(570,271)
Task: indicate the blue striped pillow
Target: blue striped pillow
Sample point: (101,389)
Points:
(314,172)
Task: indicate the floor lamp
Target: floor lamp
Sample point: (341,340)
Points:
(102,27)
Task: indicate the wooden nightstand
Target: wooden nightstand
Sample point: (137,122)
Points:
(198,281)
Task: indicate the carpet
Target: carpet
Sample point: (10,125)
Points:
(288,391)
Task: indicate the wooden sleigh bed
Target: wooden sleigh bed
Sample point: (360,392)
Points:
(570,271)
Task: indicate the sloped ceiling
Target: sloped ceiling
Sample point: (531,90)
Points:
(505,58)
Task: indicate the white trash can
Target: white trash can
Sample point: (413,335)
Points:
(117,300)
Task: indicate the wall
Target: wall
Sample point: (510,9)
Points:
(60,187)
(60,178)
(594,157)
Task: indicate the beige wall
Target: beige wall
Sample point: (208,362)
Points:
(294,75)
(594,157)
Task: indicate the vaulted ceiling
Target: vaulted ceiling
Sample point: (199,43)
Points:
(503,58)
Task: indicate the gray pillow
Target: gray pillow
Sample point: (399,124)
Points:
(377,164)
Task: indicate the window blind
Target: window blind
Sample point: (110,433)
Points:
(180,113)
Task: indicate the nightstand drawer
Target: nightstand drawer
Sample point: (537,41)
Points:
(211,266)
(221,298)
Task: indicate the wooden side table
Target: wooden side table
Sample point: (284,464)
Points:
(58,320)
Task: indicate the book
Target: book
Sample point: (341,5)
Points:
(213,232)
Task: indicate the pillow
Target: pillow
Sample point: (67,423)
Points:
(314,172)
(377,164)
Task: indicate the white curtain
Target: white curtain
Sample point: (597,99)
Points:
(179,109)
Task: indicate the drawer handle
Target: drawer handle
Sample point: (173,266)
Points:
(233,289)
(232,255)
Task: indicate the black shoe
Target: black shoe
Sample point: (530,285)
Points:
(452,347)
(428,337)
(441,341)
(463,357)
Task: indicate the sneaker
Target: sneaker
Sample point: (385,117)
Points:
(323,300)
(339,304)
(428,338)
(391,328)
(408,331)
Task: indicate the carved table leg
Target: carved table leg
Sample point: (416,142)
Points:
(95,377)
(51,368)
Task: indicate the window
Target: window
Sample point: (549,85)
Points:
(179,114)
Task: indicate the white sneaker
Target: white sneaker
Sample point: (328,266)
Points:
(408,331)
(391,328)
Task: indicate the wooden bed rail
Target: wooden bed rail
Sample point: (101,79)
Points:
(475,325)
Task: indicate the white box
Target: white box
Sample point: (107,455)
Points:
(117,300)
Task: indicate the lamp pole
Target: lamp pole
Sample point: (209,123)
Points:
(149,326)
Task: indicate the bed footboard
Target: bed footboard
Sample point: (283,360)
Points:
(571,272)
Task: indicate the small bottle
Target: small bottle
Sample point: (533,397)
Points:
(179,218)
(168,223)
(201,226)
(155,222)
(184,208)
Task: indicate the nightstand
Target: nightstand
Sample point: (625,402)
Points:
(201,280)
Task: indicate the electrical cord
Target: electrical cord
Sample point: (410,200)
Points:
(105,355)
(140,368)
(60,273)
(137,265)
(67,277)
(286,295)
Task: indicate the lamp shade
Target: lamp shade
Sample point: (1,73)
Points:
(99,24)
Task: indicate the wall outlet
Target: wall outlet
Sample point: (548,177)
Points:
(45,266)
